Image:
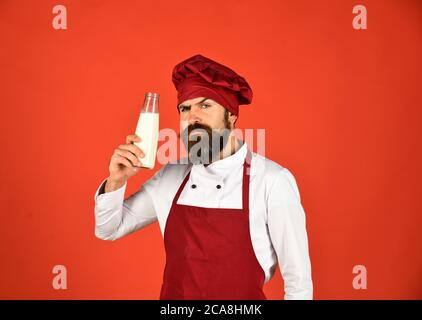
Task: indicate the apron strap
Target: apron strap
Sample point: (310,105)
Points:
(245,184)
(182,186)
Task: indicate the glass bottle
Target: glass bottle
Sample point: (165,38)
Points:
(147,129)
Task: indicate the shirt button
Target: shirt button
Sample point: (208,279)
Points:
(193,186)
(218,186)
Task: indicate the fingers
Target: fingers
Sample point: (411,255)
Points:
(132,148)
(129,156)
(132,138)
(122,160)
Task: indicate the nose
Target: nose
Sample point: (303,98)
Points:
(193,117)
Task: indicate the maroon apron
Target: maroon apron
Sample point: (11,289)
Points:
(209,253)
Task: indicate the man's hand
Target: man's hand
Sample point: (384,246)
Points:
(125,163)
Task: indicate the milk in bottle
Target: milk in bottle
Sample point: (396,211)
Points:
(147,129)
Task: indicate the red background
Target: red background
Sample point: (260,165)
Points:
(341,109)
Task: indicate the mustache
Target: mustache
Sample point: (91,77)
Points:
(194,126)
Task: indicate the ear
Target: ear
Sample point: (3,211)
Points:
(232,118)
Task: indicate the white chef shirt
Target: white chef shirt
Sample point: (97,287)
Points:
(277,218)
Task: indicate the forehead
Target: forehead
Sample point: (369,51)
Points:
(196,101)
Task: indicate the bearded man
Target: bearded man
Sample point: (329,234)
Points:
(228,216)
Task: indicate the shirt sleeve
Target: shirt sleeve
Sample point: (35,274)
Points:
(116,217)
(287,229)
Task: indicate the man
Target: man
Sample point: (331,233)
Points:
(227,215)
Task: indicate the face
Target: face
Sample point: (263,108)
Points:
(205,128)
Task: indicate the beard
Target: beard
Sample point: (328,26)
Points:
(204,144)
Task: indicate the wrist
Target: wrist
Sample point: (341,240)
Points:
(114,184)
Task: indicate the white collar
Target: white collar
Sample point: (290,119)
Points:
(235,159)
(217,170)
(222,165)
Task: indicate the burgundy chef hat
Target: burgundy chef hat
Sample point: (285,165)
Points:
(199,76)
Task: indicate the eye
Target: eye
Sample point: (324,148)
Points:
(182,109)
(205,105)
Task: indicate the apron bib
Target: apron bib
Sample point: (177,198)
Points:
(209,253)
